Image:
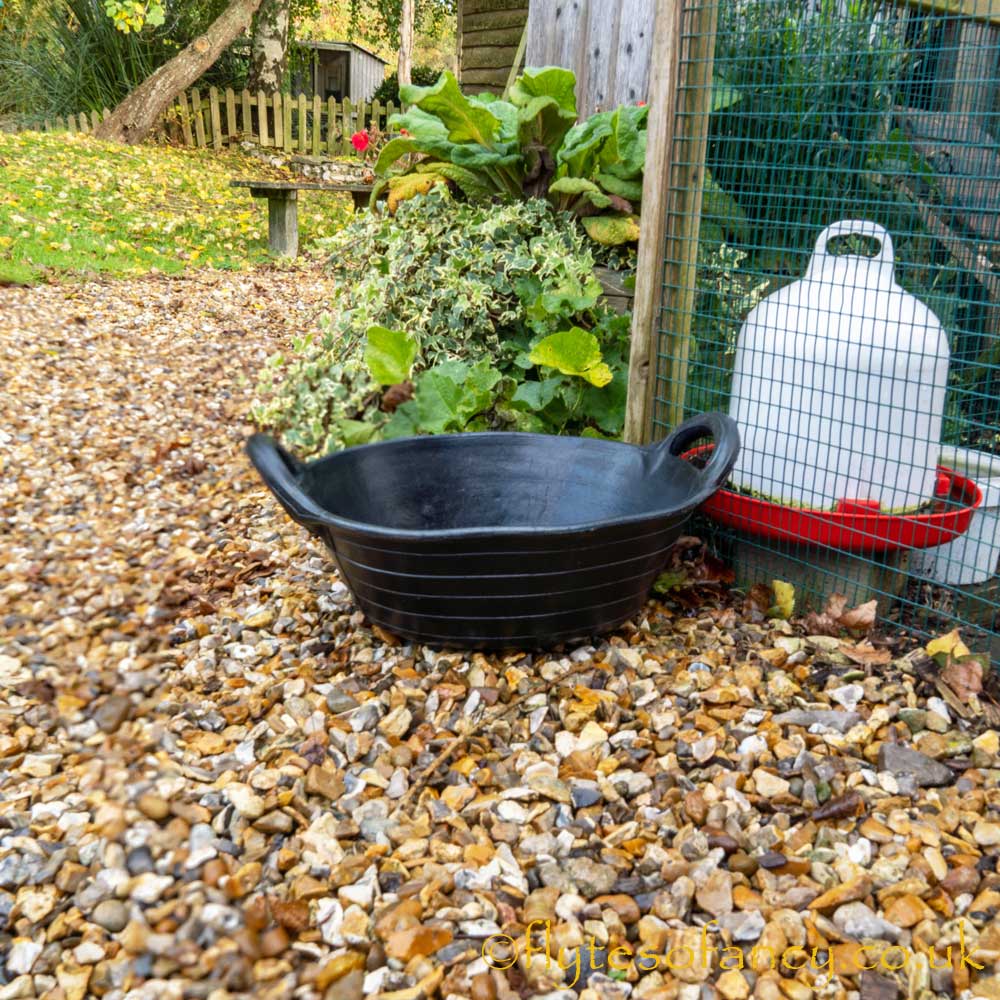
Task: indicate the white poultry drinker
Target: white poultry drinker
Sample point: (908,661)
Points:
(839,385)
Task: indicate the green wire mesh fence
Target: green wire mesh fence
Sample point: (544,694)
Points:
(832,280)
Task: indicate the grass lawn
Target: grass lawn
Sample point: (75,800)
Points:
(73,206)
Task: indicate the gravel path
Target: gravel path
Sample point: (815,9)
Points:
(215,780)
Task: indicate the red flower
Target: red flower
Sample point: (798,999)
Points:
(360,141)
(403,131)
(640,104)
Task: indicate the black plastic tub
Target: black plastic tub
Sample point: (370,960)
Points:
(499,540)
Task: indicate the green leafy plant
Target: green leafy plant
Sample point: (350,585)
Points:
(454,316)
(132,15)
(452,396)
(600,168)
(524,147)
(389,355)
(573,381)
(573,352)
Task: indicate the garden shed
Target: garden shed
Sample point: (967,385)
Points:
(342,69)
(489,33)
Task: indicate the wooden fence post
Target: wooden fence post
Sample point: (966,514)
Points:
(303,125)
(331,127)
(246,126)
(263,130)
(185,119)
(213,100)
(348,128)
(199,118)
(289,144)
(231,130)
(279,131)
(685,220)
(317,124)
(667,38)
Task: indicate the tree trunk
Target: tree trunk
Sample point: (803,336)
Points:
(405,43)
(270,47)
(140,112)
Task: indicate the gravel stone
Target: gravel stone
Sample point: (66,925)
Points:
(111,914)
(907,762)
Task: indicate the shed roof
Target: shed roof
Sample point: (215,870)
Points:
(340,47)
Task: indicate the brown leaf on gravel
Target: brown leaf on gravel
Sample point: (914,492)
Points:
(41,691)
(964,676)
(759,599)
(691,565)
(192,467)
(385,636)
(835,617)
(861,618)
(709,569)
(164,449)
(865,653)
(991,713)
(841,807)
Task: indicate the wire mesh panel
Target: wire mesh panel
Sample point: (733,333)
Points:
(832,280)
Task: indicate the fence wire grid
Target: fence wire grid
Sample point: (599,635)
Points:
(831,279)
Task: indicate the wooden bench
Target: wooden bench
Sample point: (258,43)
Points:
(283,207)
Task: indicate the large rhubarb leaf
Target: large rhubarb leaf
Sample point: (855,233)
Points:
(465,120)
(612,230)
(548,81)
(583,143)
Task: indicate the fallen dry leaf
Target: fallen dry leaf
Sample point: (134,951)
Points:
(690,564)
(841,807)
(865,653)
(835,617)
(951,644)
(784,598)
(396,395)
(860,619)
(964,676)
(758,599)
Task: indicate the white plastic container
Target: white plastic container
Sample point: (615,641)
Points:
(839,385)
(974,556)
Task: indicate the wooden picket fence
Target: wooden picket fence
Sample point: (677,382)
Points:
(302,124)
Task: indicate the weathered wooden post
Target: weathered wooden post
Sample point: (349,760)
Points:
(655,195)
(673,182)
